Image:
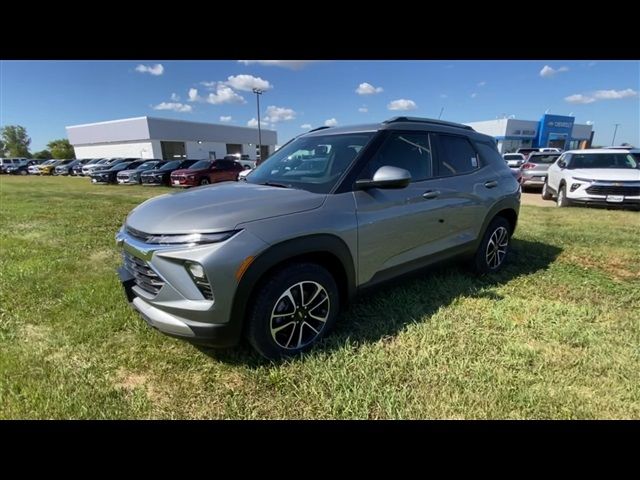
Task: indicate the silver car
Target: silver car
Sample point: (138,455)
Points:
(332,212)
(534,171)
(514,160)
(131,177)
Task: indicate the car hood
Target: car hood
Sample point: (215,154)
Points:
(153,171)
(607,174)
(186,171)
(129,172)
(99,172)
(218,207)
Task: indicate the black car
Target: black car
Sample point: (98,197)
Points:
(110,175)
(22,169)
(76,169)
(162,175)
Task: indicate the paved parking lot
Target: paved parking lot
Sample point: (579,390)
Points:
(534,198)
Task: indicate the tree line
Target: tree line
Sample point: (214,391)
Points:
(14,142)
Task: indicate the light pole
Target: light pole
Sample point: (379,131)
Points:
(259,92)
(613,142)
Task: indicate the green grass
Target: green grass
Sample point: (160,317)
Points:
(554,335)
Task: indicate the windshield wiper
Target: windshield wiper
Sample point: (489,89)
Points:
(274,184)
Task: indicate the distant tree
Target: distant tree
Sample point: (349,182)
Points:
(61,148)
(16,141)
(42,155)
(1,148)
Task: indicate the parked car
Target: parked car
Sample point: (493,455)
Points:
(76,169)
(162,175)
(205,172)
(526,151)
(22,168)
(109,175)
(48,168)
(276,257)
(132,176)
(594,177)
(65,167)
(243,159)
(99,165)
(514,160)
(534,171)
(36,169)
(517,174)
(5,163)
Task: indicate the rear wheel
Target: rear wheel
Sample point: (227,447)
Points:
(292,311)
(494,247)
(546,194)
(204,181)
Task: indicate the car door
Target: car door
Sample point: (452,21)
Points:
(554,173)
(398,226)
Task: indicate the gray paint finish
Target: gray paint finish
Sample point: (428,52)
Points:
(151,128)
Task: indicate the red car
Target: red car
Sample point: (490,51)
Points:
(205,172)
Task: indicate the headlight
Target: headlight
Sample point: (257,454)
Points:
(190,238)
(191,177)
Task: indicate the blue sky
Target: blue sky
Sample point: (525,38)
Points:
(46,96)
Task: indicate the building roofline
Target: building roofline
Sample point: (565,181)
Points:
(106,121)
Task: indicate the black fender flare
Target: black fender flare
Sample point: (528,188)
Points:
(504,204)
(280,253)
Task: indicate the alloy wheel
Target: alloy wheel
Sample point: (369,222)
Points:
(497,247)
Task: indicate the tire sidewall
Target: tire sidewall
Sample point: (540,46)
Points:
(258,328)
(545,191)
(204,181)
(562,197)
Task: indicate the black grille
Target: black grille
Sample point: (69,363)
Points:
(614,190)
(145,277)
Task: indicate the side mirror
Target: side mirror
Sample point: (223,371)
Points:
(562,164)
(386,177)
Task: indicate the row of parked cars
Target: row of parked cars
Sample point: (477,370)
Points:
(179,173)
(600,176)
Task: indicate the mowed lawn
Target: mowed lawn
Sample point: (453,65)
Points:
(555,335)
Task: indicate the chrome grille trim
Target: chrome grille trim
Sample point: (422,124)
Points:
(145,277)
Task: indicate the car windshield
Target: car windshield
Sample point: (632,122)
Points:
(549,159)
(603,160)
(202,164)
(120,166)
(313,163)
(147,166)
(170,165)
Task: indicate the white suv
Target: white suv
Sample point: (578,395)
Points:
(599,176)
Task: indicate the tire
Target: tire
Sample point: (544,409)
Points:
(546,195)
(562,201)
(204,181)
(283,336)
(23,172)
(498,233)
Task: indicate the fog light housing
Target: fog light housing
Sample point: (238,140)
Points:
(199,277)
(575,186)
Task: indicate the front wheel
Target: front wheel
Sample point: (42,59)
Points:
(23,172)
(546,194)
(292,311)
(562,201)
(494,247)
(204,181)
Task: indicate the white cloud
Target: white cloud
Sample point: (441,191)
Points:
(363,109)
(331,122)
(225,119)
(253,123)
(193,95)
(482,84)
(474,95)
(614,94)
(589,122)
(279,114)
(174,106)
(601,95)
(292,64)
(368,89)
(224,94)
(402,104)
(247,83)
(548,71)
(579,98)
(156,69)
(175,97)
(306,126)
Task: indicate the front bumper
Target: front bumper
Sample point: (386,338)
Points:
(127,181)
(178,308)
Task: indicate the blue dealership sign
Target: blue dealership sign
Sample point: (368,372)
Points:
(554,127)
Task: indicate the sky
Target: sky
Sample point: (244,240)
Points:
(46,96)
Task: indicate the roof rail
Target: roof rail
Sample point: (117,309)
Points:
(428,120)
(318,128)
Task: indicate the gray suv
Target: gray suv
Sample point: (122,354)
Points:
(334,211)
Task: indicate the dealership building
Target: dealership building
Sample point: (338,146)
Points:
(163,138)
(550,131)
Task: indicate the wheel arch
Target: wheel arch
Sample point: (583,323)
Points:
(327,250)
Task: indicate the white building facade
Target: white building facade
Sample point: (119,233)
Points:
(167,139)
(558,131)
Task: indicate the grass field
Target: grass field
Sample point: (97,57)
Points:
(555,335)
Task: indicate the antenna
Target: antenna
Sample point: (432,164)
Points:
(441,110)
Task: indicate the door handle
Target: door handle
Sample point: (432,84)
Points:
(430,194)
(491,184)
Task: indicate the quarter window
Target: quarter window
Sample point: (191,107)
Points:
(456,156)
